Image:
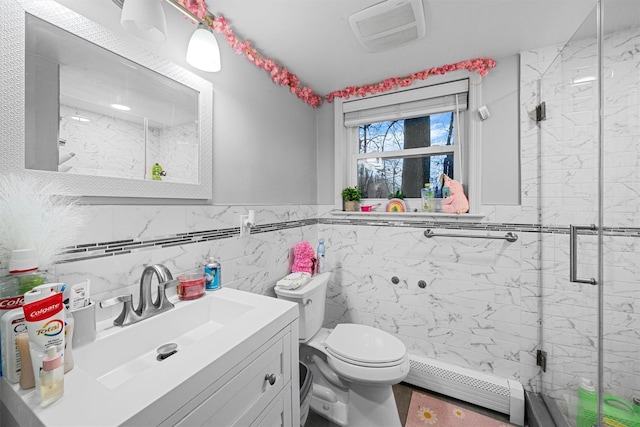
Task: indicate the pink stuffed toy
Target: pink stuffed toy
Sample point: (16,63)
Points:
(457,202)
(303,258)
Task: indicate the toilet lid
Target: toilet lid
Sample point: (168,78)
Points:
(365,344)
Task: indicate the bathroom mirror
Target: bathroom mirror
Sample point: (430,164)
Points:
(72,75)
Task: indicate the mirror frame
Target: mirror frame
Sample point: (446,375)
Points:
(12,104)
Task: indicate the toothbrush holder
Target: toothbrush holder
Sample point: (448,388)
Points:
(84,320)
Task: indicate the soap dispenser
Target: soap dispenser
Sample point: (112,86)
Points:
(51,377)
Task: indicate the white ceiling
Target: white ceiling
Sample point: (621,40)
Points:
(313,38)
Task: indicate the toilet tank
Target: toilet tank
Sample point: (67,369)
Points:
(310,298)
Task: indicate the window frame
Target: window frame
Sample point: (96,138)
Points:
(467,161)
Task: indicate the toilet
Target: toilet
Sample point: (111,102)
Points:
(354,366)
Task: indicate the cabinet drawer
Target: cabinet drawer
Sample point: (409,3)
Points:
(248,392)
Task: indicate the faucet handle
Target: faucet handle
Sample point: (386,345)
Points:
(115,300)
(127,315)
(163,302)
(168,284)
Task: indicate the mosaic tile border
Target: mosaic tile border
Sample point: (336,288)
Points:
(122,247)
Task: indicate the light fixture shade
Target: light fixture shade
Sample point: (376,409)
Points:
(203,52)
(144,19)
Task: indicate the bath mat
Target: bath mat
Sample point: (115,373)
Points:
(427,411)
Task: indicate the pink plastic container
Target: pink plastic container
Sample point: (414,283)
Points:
(190,286)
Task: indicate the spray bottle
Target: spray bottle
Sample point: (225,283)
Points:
(320,253)
(212,274)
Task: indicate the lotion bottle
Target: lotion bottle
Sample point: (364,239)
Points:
(27,380)
(51,377)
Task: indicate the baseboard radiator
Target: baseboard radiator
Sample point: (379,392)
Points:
(479,388)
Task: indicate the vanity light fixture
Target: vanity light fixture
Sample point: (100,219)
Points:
(144,19)
(120,107)
(203,52)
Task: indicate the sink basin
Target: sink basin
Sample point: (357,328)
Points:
(121,354)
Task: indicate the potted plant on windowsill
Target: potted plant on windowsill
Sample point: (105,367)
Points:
(351,197)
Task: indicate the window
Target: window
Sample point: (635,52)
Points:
(400,141)
(402,155)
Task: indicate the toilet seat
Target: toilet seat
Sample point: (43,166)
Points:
(380,375)
(363,364)
(366,355)
(365,346)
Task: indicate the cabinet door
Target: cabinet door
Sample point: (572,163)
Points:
(278,414)
(247,394)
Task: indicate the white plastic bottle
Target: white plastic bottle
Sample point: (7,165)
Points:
(23,265)
(12,324)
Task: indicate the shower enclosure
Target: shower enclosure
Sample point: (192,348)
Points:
(584,119)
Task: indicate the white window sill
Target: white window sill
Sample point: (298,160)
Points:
(424,216)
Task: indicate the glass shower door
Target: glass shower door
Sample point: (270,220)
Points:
(588,165)
(569,207)
(621,211)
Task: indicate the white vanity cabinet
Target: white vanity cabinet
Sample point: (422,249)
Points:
(244,396)
(236,365)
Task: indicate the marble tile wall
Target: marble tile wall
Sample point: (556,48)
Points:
(470,311)
(479,308)
(182,237)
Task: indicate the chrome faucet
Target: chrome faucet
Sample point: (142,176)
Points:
(147,307)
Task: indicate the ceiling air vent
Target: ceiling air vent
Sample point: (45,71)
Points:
(388,24)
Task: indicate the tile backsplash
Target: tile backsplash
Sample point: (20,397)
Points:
(121,240)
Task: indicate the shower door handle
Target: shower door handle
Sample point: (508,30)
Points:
(573,253)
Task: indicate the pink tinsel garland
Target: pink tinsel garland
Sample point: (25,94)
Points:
(282,76)
(479,65)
